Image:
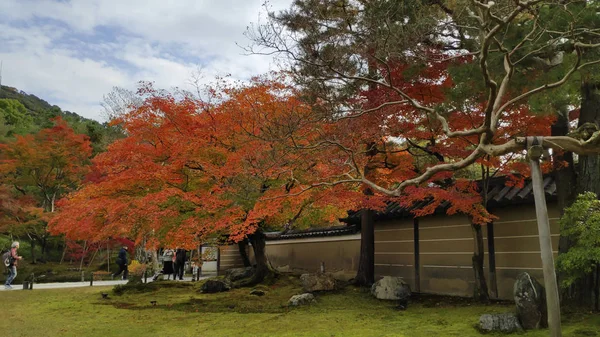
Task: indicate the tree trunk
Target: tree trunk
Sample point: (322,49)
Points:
(44,248)
(597,304)
(62,258)
(242,245)
(93,257)
(83,255)
(480,288)
(366,266)
(262,270)
(33,258)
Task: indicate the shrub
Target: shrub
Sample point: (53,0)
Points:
(581,223)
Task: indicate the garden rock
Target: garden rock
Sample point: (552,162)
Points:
(257,292)
(214,286)
(391,288)
(530,298)
(236,274)
(506,323)
(303,299)
(317,282)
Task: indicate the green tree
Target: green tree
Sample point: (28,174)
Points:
(581,224)
(14,115)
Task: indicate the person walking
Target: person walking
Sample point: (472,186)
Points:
(122,263)
(179,263)
(12,266)
(168,258)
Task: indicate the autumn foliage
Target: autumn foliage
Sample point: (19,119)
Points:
(261,158)
(39,169)
(189,170)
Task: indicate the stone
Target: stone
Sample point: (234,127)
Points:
(506,323)
(257,292)
(530,299)
(402,304)
(391,288)
(236,274)
(317,282)
(214,286)
(302,299)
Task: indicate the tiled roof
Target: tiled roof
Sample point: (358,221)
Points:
(499,195)
(313,232)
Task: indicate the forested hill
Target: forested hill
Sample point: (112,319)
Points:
(40,114)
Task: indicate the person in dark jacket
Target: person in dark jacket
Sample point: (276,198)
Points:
(179,263)
(122,263)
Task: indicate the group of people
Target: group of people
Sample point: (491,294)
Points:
(173,263)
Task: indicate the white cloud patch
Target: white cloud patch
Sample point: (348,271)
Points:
(71,53)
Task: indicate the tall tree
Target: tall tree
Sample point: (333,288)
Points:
(36,171)
(335,49)
(189,170)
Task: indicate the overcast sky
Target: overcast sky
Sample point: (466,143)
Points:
(72,52)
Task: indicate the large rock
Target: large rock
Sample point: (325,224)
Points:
(530,298)
(236,274)
(391,288)
(214,286)
(506,323)
(317,282)
(302,299)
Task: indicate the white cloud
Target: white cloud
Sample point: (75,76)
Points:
(73,52)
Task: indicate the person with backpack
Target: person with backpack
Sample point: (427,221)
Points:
(122,263)
(12,258)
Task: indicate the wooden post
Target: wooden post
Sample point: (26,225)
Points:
(534,152)
(218,260)
(91,279)
(492,259)
(417,255)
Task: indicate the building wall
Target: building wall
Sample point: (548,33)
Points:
(394,250)
(518,247)
(339,254)
(446,249)
(230,257)
(446,246)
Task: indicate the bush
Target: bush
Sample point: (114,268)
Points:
(136,287)
(581,223)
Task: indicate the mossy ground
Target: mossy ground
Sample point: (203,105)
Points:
(181,310)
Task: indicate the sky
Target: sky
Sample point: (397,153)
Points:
(72,52)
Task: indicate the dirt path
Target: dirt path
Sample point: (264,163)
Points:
(59,285)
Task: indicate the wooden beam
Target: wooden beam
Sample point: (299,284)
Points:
(417,255)
(534,152)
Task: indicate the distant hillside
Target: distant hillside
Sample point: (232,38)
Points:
(42,113)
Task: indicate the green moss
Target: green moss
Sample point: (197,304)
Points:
(180,311)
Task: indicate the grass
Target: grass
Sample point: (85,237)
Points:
(181,311)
